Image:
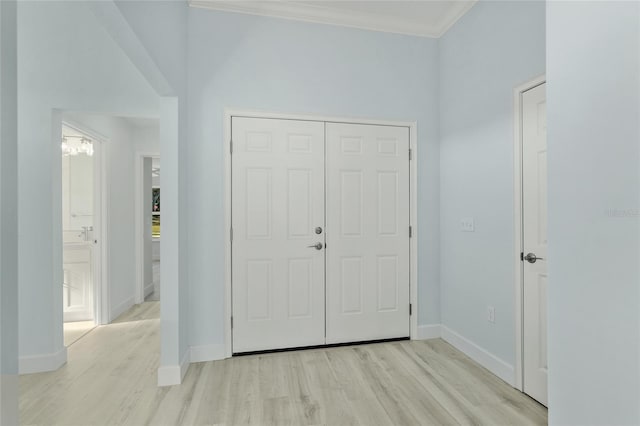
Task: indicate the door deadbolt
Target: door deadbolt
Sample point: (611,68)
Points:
(319,230)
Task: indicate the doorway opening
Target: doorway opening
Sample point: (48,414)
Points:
(149,227)
(81,227)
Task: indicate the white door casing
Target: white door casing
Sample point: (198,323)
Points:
(534,220)
(277,203)
(363,330)
(368,242)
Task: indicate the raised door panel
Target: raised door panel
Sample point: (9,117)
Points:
(77,296)
(277,202)
(367,232)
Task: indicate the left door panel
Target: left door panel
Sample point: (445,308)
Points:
(278,202)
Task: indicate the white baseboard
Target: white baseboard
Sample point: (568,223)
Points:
(42,363)
(121,308)
(207,353)
(500,368)
(170,375)
(429,331)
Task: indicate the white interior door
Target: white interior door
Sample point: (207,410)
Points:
(277,204)
(367,232)
(534,185)
(78,228)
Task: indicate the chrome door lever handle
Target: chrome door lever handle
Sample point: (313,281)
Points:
(532,258)
(317,246)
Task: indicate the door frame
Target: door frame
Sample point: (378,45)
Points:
(100,271)
(139,223)
(518,224)
(413,209)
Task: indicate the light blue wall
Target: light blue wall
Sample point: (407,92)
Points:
(593,59)
(277,65)
(161,27)
(8,216)
(492,49)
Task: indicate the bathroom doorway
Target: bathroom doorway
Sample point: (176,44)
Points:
(81,220)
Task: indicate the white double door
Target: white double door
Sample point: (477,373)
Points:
(320,233)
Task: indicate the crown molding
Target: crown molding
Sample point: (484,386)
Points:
(454,15)
(320,14)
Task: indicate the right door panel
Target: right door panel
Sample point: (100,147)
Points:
(367,290)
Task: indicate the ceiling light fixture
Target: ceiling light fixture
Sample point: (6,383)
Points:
(74,145)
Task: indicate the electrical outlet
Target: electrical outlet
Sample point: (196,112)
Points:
(491,314)
(467,225)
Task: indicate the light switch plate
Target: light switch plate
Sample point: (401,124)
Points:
(467,225)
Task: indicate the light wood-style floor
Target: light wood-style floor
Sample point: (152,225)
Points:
(73,331)
(111,379)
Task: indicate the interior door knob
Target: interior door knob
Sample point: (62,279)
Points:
(317,246)
(531,258)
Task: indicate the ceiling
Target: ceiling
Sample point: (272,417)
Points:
(424,18)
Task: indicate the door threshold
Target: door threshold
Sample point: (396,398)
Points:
(331,345)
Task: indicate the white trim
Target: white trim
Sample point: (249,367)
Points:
(413,167)
(141,287)
(486,359)
(42,363)
(228,345)
(413,222)
(103,314)
(121,308)
(169,375)
(207,353)
(323,14)
(517,220)
(429,331)
(57,320)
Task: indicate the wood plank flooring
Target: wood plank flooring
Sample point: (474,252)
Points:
(73,331)
(110,379)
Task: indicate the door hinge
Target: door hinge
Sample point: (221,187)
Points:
(410,309)
(410,231)
(410,154)
(231,321)
(521,257)
(231,234)
(231,146)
